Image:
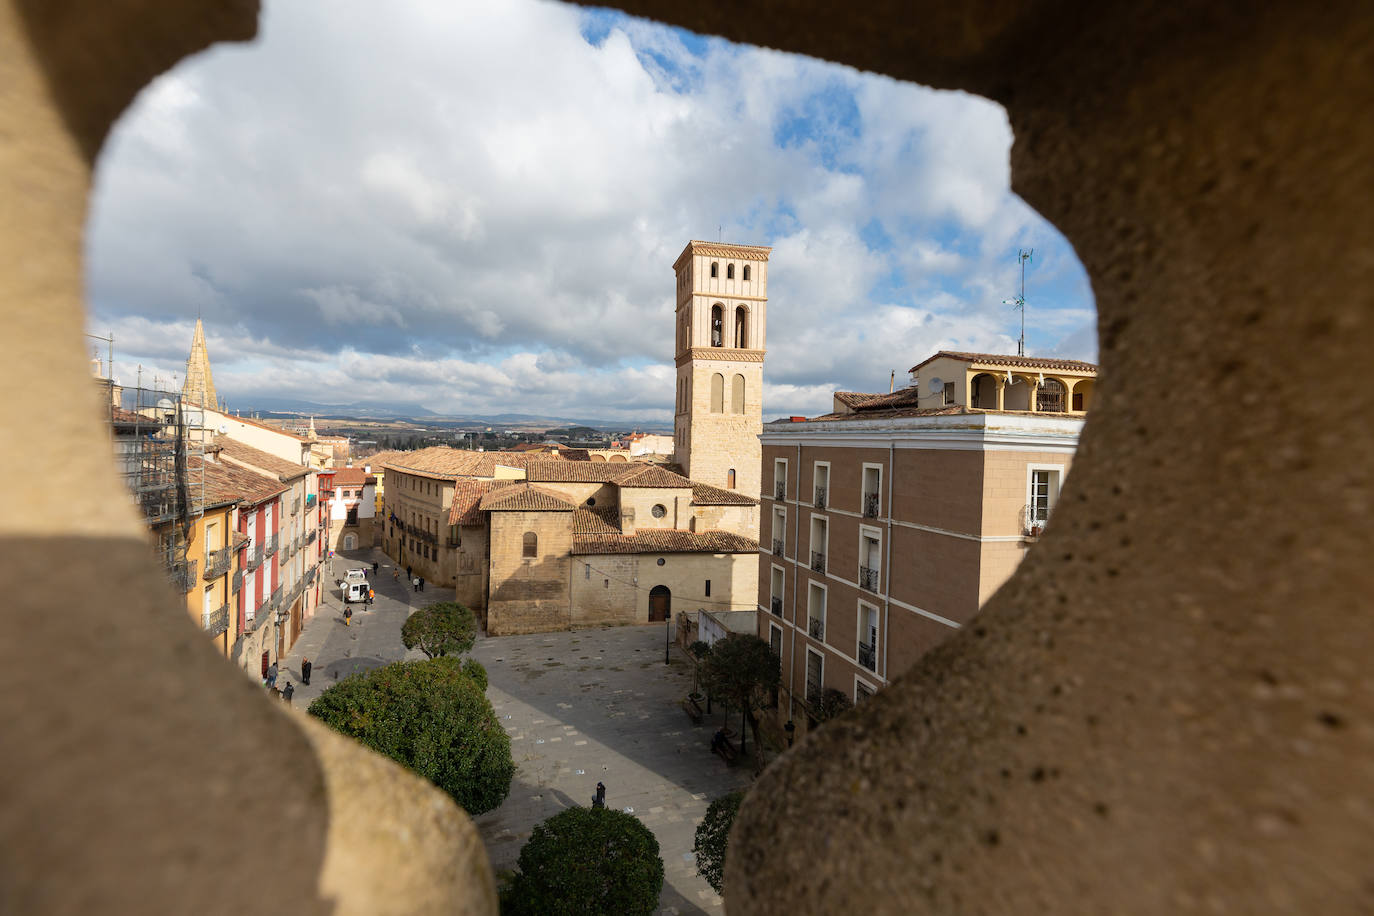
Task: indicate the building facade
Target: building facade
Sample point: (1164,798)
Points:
(350,496)
(722,315)
(888,524)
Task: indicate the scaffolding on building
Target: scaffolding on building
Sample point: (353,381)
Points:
(159,452)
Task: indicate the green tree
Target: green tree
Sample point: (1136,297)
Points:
(446,628)
(699,649)
(832,703)
(431,718)
(473,669)
(742,670)
(587,860)
(713,833)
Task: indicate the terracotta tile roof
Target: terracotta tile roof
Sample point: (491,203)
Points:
(662,540)
(1013,362)
(522,497)
(707,495)
(723,250)
(119,416)
(376,461)
(574,454)
(442,461)
(466,508)
(231,482)
(352,477)
(601,521)
(651,475)
(238,453)
(558,471)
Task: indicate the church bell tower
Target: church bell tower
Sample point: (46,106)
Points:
(722,312)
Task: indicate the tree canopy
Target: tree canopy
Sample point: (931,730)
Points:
(587,860)
(446,628)
(832,703)
(712,836)
(432,718)
(741,669)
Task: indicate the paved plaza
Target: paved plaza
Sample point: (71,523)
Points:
(580,707)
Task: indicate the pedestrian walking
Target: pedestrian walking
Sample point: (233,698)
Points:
(396,575)
(305,671)
(348,616)
(288,692)
(409,572)
(415,583)
(374,567)
(422,583)
(599,799)
(370,593)
(272,676)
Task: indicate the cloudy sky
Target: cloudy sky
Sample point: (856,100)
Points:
(475,207)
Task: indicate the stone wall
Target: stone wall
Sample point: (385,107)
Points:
(615,588)
(529,594)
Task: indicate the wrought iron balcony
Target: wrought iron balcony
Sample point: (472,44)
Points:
(777,546)
(253,558)
(868,656)
(870,505)
(780,490)
(236,583)
(182,574)
(275,600)
(776,605)
(217,563)
(815,626)
(271,545)
(310,538)
(817,562)
(216,621)
(428,537)
(310,500)
(820,497)
(868,579)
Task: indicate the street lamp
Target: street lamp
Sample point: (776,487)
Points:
(790,728)
(667,635)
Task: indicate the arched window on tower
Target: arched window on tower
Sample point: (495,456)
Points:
(717,326)
(741,327)
(717,393)
(746,272)
(531,546)
(730,479)
(715,270)
(729,271)
(737,394)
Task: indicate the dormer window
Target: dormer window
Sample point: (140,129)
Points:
(729,271)
(715,270)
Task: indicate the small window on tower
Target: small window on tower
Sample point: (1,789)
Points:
(715,270)
(729,271)
(730,479)
(746,271)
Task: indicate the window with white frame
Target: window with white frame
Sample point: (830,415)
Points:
(815,678)
(862,691)
(872,490)
(867,653)
(815,611)
(820,479)
(780,478)
(779,530)
(1042,493)
(820,534)
(776,592)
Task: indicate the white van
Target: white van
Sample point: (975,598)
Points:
(353,589)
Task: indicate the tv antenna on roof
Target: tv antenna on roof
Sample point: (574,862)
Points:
(1023,255)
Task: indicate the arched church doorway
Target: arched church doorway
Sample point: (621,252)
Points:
(660,603)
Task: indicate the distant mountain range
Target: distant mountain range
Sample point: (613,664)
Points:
(294,407)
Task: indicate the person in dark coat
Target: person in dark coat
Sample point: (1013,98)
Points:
(272,676)
(599,799)
(422,583)
(305,671)
(374,567)
(288,692)
(409,572)
(348,616)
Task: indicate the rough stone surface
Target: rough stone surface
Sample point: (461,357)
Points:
(1168,708)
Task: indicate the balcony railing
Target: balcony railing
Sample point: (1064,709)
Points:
(820,497)
(428,537)
(815,626)
(218,562)
(780,490)
(310,538)
(813,693)
(868,656)
(274,601)
(868,579)
(253,558)
(777,546)
(271,545)
(870,505)
(216,621)
(182,574)
(776,605)
(310,500)
(236,583)
(817,562)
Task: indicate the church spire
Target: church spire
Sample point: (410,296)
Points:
(199,387)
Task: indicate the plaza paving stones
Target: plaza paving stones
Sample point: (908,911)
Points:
(600,705)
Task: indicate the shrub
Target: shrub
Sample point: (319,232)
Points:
(587,860)
(473,669)
(832,703)
(446,628)
(431,718)
(712,835)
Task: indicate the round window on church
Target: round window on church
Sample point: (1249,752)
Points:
(661,561)
(591,500)
(659,510)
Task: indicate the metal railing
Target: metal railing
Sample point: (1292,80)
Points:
(217,562)
(217,621)
(777,546)
(817,562)
(813,693)
(780,490)
(776,605)
(815,626)
(427,536)
(868,656)
(275,600)
(311,537)
(271,545)
(870,505)
(868,579)
(253,558)
(183,574)
(820,497)
(236,583)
